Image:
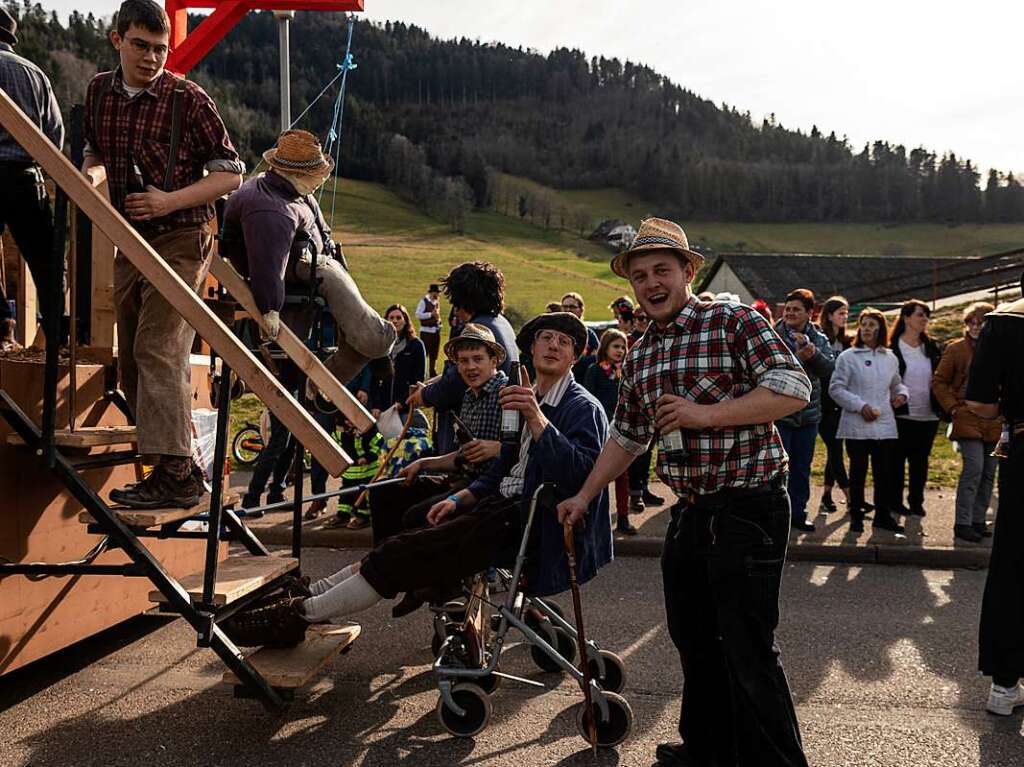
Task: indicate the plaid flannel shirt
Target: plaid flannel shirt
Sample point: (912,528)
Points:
(120,126)
(482,414)
(30,89)
(711,352)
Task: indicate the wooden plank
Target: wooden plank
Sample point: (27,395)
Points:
(236,577)
(103,313)
(293,346)
(27,305)
(184,300)
(156,517)
(295,667)
(87,436)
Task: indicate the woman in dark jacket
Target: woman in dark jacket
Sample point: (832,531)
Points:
(409,359)
(602,380)
(918,356)
(834,314)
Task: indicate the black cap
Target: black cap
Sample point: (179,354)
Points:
(434,288)
(8,27)
(563,322)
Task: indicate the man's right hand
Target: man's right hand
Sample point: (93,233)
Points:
(571,510)
(868,413)
(440,511)
(415,399)
(410,471)
(271,326)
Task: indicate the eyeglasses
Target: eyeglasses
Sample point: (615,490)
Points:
(553,336)
(142,47)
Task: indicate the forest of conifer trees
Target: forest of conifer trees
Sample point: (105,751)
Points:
(464,107)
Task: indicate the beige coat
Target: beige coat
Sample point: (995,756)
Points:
(949,384)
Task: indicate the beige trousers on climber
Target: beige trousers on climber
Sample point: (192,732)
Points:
(363,334)
(154,343)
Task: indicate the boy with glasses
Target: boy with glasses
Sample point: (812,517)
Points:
(167,156)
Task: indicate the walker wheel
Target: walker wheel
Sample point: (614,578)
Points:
(615,730)
(614,678)
(477,706)
(562,642)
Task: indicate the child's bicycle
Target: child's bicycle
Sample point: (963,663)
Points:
(248,444)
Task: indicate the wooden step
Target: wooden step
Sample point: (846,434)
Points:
(236,577)
(87,436)
(294,667)
(143,518)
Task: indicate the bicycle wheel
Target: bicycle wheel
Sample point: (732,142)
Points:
(247,445)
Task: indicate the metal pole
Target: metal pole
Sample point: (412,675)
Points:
(284,18)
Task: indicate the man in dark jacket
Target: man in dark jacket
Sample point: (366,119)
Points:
(799,430)
(273,228)
(482,525)
(476,291)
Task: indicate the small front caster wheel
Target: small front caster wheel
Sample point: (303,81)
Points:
(614,678)
(612,732)
(475,703)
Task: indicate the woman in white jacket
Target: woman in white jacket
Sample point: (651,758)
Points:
(866,385)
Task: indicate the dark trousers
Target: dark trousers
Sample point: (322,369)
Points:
(396,508)
(317,473)
(882,454)
(915,446)
(432,343)
(799,444)
(640,472)
(835,466)
(273,463)
(1001,632)
(437,557)
(722,566)
(25,208)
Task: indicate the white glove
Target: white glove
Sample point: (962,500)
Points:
(271,326)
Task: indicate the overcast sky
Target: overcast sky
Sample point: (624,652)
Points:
(946,75)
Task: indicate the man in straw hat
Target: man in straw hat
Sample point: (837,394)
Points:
(711,378)
(167,156)
(481,525)
(273,229)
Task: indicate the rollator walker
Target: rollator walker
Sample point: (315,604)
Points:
(469,639)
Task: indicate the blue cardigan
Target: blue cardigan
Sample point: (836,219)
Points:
(564,454)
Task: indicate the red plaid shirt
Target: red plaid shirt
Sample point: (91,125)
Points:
(711,352)
(121,126)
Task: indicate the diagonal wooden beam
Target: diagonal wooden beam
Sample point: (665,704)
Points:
(293,346)
(171,287)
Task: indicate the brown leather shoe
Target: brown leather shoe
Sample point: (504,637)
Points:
(161,491)
(277,624)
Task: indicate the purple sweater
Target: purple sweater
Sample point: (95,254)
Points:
(267,214)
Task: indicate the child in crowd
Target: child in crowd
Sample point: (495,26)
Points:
(602,380)
(365,451)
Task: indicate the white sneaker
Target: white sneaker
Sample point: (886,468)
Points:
(1002,700)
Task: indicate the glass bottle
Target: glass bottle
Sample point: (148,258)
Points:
(510,419)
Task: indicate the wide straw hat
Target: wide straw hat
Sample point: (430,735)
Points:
(564,322)
(298,152)
(478,334)
(656,234)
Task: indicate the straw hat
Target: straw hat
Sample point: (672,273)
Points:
(478,334)
(656,234)
(298,152)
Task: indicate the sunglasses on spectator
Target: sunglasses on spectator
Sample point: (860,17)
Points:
(141,46)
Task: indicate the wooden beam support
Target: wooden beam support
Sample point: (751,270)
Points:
(102,312)
(27,305)
(293,346)
(149,263)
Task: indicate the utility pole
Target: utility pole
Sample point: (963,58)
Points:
(284,20)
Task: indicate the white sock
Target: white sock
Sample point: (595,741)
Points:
(347,598)
(319,587)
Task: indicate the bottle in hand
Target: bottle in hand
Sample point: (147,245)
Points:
(671,443)
(510,420)
(136,181)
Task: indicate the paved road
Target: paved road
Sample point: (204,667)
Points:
(881,660)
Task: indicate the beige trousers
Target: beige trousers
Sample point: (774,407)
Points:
(154,343)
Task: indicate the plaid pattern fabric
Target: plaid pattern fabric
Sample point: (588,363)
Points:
(482,414)
(711,352)
(119,126)
(30,89)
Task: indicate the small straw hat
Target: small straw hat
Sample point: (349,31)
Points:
(656,234)
(299,152)
(478,334)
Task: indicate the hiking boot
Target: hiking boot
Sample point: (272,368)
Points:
(277,624)
(160,491)
(650,499)
(966,533)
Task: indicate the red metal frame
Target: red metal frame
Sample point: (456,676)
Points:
(187,50)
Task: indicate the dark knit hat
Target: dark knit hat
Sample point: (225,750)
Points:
(8,27)
(563,322)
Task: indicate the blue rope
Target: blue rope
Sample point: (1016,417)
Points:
(333,141)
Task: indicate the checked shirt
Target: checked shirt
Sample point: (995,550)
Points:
(711,352)
(119,126)
(482,414)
